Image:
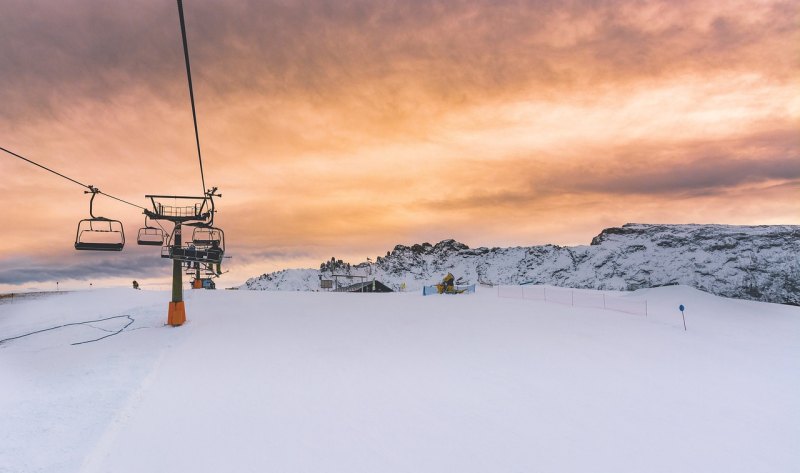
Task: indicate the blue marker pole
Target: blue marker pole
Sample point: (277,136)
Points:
(682,308)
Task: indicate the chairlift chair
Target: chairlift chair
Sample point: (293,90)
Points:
(208,236)
(194,253)
(99,233)
(190,253)
(192,267)
(150,236)
(207,245)
(206,270)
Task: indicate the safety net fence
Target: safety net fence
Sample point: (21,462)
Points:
(574,298)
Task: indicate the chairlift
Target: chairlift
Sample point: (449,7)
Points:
(210,252)
(150,236)
(192,267)
(208,236)
(206,270)
(99,233)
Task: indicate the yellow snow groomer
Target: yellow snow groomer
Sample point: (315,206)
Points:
(448,285)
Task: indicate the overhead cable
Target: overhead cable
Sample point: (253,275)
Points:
(191,93)
(90,187)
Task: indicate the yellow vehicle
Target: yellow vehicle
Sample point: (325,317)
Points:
(448,285)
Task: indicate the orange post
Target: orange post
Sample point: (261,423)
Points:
(177,314)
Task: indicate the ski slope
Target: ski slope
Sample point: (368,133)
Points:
(301,382)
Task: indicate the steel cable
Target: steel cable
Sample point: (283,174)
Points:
(91,188)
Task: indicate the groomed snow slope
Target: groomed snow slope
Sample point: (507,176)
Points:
(287,381)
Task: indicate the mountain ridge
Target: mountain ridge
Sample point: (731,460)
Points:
(747,262)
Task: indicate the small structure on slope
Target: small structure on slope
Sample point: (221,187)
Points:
(366,286)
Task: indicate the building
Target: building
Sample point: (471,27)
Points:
(366,286)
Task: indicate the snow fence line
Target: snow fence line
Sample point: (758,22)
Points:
(574,298)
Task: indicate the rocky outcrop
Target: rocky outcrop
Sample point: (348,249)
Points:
(749,262)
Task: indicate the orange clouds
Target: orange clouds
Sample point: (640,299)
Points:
(347,128)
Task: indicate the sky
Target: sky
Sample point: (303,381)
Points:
(343,128)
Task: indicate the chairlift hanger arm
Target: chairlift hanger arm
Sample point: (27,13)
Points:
(93,190)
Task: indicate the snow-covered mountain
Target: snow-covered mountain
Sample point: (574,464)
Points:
(748,262)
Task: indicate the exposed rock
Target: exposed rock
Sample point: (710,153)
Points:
(748,262)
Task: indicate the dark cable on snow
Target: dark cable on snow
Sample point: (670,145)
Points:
(100,328)
(131,320)
(110,334)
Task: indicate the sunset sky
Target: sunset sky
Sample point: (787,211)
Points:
(341,128)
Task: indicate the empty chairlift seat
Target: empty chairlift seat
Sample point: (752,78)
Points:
(207,236)
(100,234)
(150,236)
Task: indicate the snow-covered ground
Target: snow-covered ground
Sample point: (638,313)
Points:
(299,381)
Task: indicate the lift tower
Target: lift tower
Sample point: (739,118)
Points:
(195,211)
(189,211)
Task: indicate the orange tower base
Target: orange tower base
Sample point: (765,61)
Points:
(177,314)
